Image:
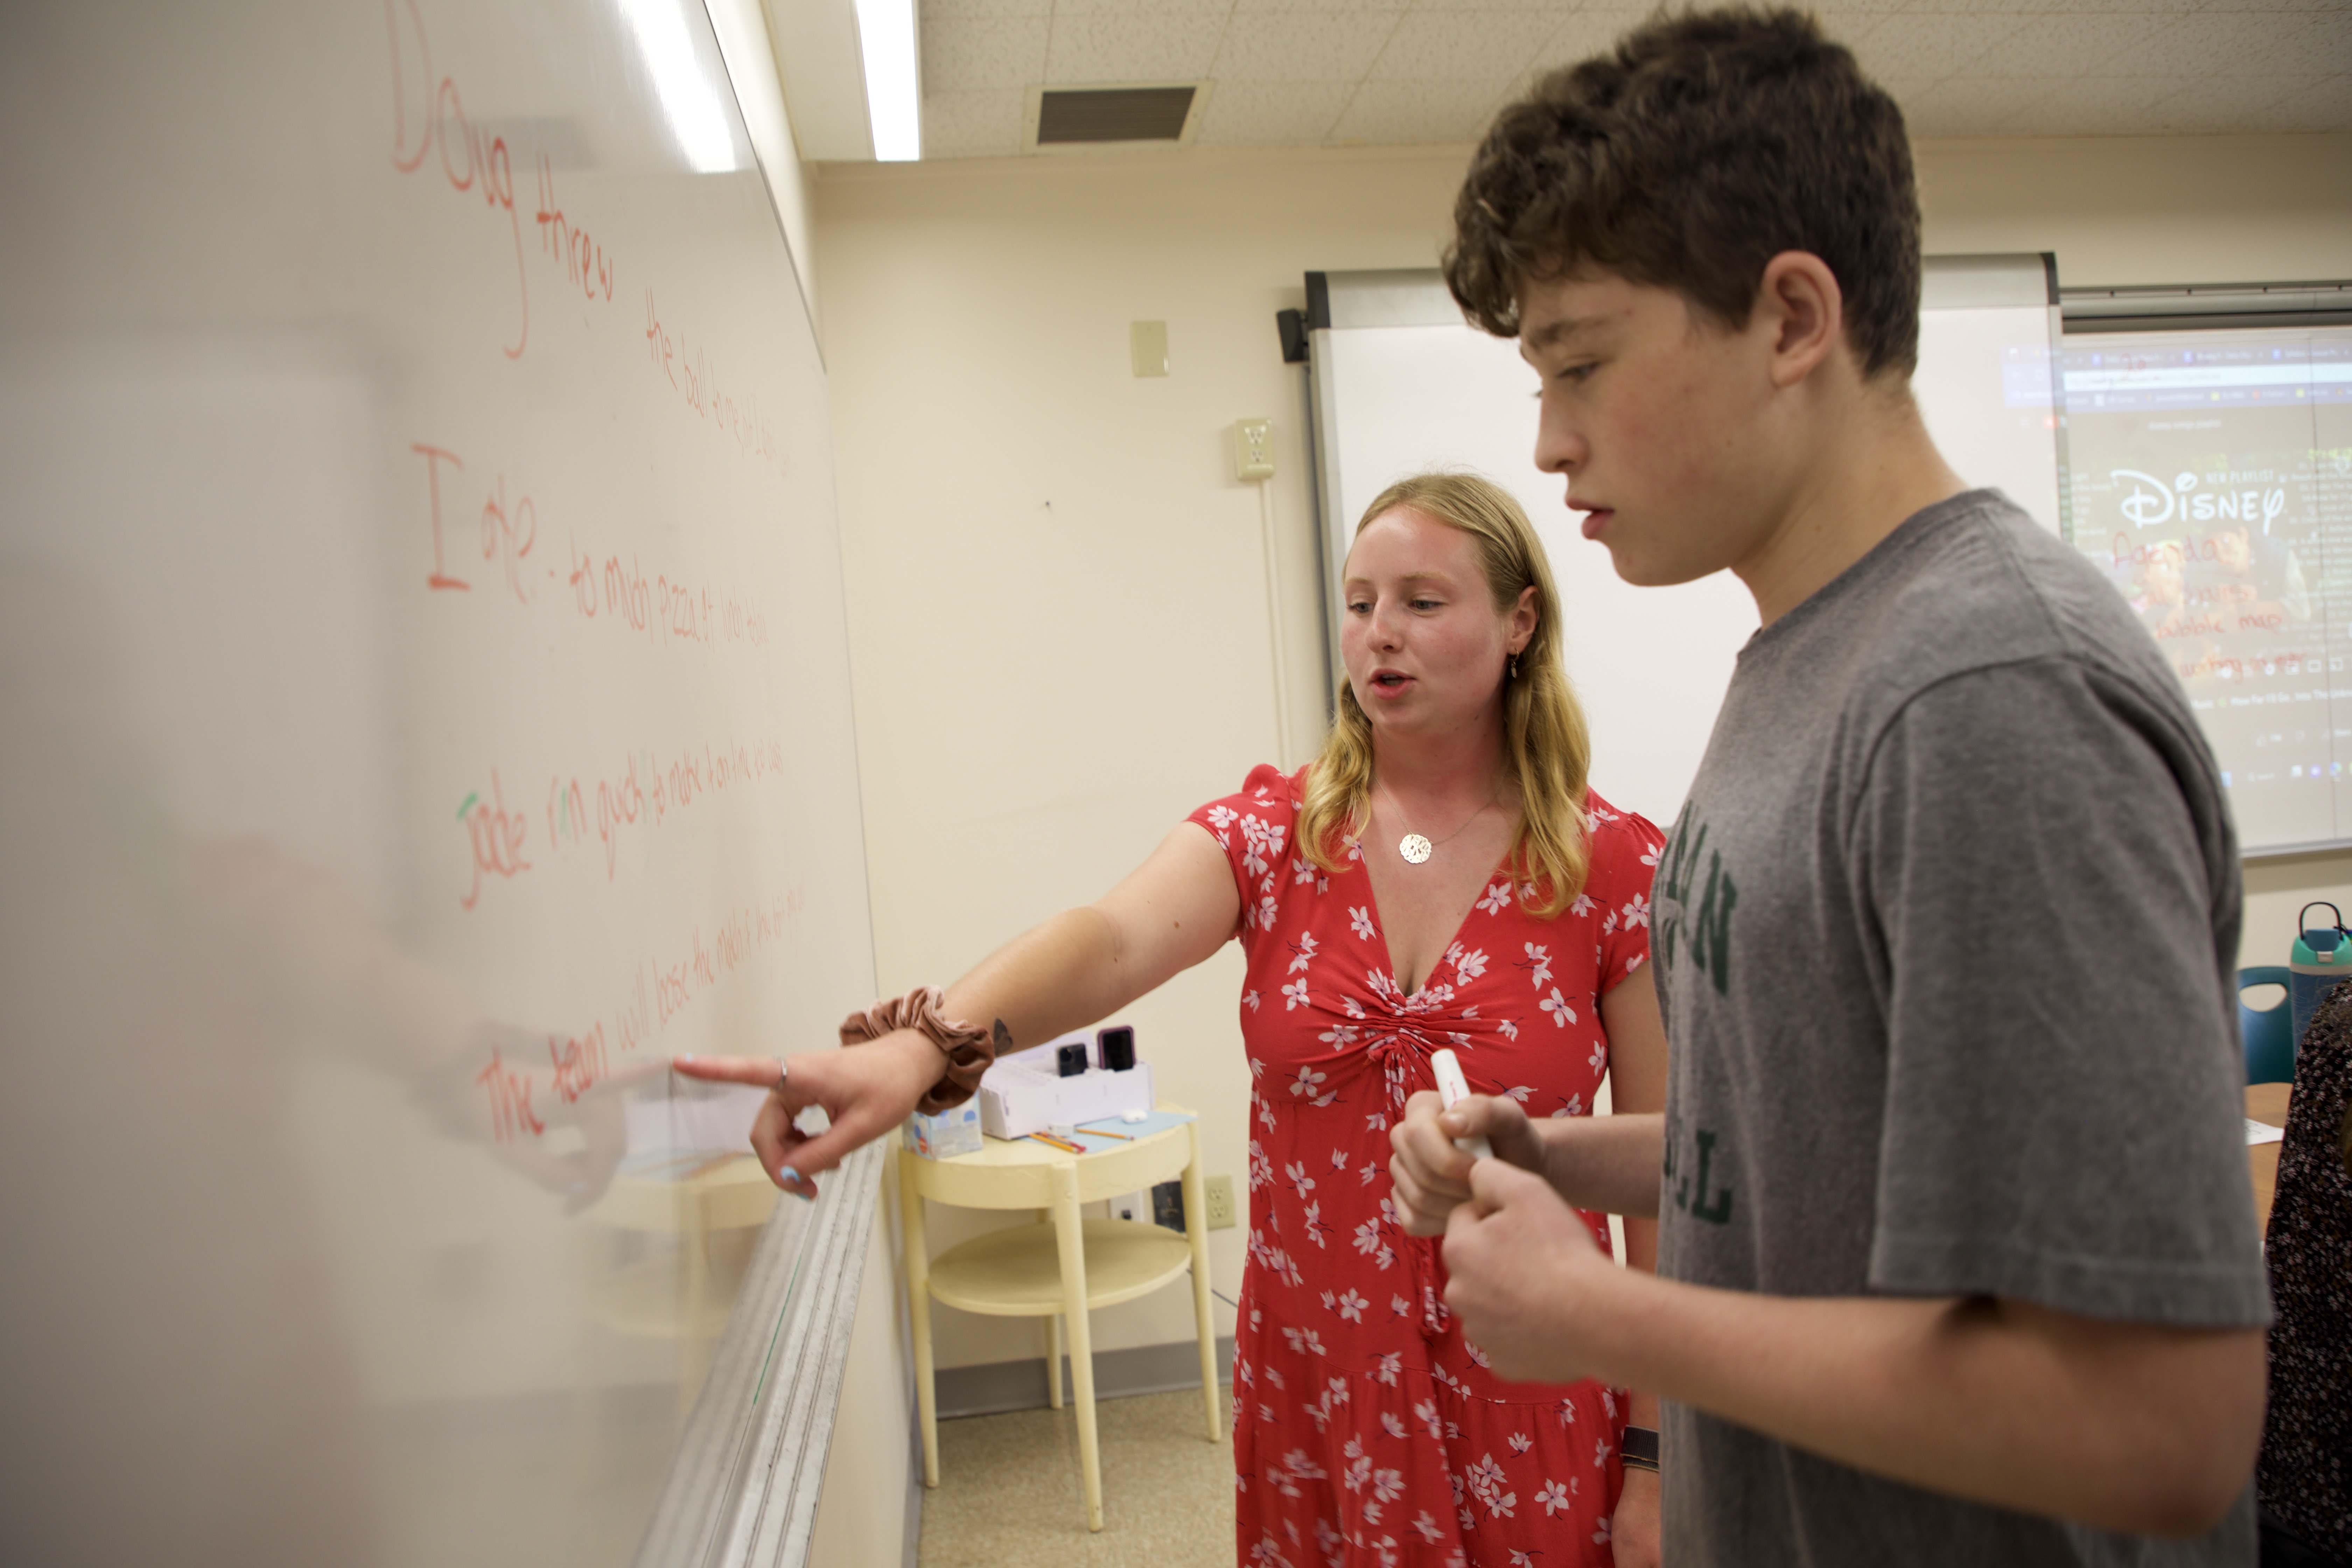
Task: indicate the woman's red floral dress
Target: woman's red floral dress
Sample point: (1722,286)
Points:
(1366,1429)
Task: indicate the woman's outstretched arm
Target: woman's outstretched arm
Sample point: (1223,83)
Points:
(1168,914)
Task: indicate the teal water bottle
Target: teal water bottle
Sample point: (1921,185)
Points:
(2322,957)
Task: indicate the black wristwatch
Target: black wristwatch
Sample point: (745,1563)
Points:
(1639,1449)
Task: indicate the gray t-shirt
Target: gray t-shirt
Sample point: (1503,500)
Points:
(1944,937)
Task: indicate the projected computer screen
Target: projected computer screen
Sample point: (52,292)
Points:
(2209,476)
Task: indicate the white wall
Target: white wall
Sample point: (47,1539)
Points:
(1058,610)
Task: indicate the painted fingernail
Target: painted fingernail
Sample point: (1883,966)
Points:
(786,1174)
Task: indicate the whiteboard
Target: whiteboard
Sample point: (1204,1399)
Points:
(1401,384)
(425,701)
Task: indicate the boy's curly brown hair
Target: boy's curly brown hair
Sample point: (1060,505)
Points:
(1699,148)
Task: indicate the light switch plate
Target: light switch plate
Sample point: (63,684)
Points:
(1146,347)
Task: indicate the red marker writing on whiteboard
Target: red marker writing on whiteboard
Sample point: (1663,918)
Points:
(1453,1088)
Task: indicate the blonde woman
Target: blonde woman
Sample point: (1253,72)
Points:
(1441,877)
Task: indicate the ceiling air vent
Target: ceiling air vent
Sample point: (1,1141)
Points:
(1094,116)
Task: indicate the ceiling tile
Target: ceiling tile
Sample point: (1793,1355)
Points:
(1415,114)
(1586,34)
(1301,46)
(1463,45)
(1554,11)
(2246,43)
(1272,114)
(935,8)
(2055,8)
(972,124)
(974,54)
(2066,46)
(1932,44)
(2117,106)
(1318,7)
(2323,105)
(2339,6)
(1969,106)
(1141,7)
(1156,46)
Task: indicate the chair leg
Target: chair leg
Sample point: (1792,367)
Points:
(1070,1236)
(1196,1231)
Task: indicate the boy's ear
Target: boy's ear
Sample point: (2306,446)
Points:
(1801,304)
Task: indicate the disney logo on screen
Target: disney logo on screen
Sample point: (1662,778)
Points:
(2147,500)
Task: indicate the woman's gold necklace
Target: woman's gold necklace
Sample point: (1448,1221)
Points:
(1418,847)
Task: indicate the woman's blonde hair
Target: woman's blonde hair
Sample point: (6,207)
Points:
(1545,743)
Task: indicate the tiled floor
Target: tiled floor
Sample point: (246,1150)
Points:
(1010,1493)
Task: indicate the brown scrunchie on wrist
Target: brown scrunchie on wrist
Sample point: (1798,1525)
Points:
(969,1048)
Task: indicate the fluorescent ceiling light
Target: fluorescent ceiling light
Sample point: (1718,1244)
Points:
(894,100)
(689,99)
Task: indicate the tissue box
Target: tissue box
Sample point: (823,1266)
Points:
(955,1130)
(1022,1093)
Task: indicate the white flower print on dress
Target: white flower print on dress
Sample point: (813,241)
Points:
(1470,965)
(1573,1106)
(1252,1000)
(1538,962)
(1562,1014)
(1598,1059)
(1338,1035)
(1583,906)
(1497,899)
(1360,921)
(1351,1306)
(1390,1425)
(1293,995)
(1510,1028)
(1637,912)
(1520,1091)
(1297,1177)
(1305,950)
(1521,1441)
(1554,1496)
(1429,1528)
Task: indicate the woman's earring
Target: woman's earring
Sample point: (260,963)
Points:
(1515,667)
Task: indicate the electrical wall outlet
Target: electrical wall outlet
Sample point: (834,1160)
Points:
(1253,448)
(1218,1198)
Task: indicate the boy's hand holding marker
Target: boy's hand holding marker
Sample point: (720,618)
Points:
(1442,1135)
(1514,1248)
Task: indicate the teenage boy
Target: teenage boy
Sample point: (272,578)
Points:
(1959,1260)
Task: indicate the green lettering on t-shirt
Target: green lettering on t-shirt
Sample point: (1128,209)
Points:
(1715,1210)
(1710,927)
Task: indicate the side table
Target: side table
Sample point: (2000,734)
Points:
(1064,1266)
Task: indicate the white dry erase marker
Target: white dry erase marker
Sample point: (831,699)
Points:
(1453,1088)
